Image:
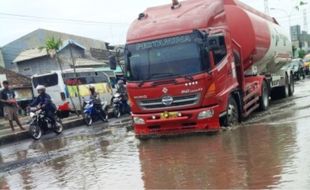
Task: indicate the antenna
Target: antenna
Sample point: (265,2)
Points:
(266,7)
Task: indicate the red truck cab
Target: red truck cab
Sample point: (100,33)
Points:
(186,66)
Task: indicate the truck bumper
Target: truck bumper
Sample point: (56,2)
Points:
(186,122)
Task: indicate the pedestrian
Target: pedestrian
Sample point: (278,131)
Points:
(10,106)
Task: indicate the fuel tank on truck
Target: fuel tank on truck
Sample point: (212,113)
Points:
(263,42)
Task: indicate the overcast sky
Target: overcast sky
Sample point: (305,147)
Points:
(113,16)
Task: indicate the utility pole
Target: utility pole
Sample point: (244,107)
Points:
(75,74)
(266,7)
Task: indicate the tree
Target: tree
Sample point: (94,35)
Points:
(301,53)
(52,45)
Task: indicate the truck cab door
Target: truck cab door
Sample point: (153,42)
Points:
(223,65)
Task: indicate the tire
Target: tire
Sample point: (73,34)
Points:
(35,132)
(117,113)
(264,99)
(281,92)
(232,116)
(88,120)
(298,76)
(104,116)
(59,127)
(292,86)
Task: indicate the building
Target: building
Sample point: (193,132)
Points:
(1,59)
(37,39)
(300,39)
(38,61)
(295,33)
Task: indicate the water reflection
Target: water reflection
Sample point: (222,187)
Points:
(248,157)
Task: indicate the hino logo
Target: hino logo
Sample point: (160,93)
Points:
(165,90)
(167,100)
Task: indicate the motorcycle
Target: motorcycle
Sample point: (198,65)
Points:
(119,107)
(40,123)
(94,113)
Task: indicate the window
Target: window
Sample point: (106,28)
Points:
(47,80)
(220,53)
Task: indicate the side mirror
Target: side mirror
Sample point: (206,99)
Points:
(112,62)
(215,42)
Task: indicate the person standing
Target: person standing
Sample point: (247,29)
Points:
(10,106)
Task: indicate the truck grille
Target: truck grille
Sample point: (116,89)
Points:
(178,101)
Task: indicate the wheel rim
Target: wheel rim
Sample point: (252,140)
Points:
(36,132)
(292,86)
(59,127)
(88,120)
(233,114)
(117,113)
(265,97)
(287,90)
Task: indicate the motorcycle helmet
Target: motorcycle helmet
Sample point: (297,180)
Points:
(40,88)
(120,82)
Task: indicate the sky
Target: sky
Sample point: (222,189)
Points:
(106,20)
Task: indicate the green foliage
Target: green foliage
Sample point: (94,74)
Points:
(301,53)
(53,44)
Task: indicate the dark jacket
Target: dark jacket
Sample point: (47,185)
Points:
(45,101)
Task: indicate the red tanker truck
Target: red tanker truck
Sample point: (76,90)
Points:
(197,65)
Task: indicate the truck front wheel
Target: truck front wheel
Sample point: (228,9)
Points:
(232,114)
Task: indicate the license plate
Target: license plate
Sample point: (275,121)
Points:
(168,115)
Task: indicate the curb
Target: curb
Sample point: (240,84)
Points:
(12,138)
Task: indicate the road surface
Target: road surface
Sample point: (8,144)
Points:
(269,150)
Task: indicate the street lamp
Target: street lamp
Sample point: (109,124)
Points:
(289,15)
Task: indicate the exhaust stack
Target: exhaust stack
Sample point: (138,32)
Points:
(175,4)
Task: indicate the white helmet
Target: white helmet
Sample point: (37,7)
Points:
(40,87)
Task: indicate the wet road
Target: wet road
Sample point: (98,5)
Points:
(270,150)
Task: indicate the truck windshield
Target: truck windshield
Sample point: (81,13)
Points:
(163,59)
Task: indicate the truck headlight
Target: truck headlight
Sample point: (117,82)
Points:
(205,114)
(138,121)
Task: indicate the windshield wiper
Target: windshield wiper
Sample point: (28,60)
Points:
(141,83)
(188,77)
(162,75)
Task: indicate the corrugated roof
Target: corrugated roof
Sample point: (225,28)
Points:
(39,52)
(30,54)
(81,62)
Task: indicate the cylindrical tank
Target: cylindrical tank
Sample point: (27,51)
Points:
(264,44)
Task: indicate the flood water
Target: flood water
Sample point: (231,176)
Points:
(270,150)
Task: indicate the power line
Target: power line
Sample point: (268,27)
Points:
(61,19)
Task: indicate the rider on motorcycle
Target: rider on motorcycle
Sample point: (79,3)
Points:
(121,89)
(44,102)
(94,96)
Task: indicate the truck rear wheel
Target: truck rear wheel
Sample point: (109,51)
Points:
(232,116)
(264,99)
(292,86)
(281,92)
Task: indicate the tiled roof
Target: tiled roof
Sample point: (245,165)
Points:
(16,80)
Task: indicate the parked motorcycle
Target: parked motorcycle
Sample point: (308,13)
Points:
(93,113)
(40,123)
(119,108)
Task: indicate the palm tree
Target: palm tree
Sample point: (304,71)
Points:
(52,45)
